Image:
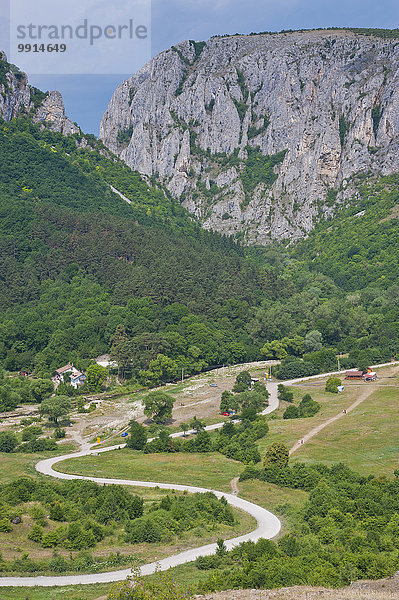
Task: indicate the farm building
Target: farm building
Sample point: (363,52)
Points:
(354,375)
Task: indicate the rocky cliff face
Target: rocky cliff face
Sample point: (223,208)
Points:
(17,97)
(260,135)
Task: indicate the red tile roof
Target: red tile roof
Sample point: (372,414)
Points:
(63,369)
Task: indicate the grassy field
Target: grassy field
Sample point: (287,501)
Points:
(70,592)
(289,431)
(367,439)
(16,464)
(204,470)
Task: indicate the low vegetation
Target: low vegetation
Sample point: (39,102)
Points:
(306,408)
(78,516)
(347,529)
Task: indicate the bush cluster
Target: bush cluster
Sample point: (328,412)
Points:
(307,408)
(80,513)
(174,515)
(76,515)
(236,441)
(347,529)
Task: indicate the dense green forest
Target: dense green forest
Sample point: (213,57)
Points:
(341,282)
(78,263)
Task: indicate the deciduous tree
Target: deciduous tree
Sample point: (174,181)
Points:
(138,436)
(96,377)
(55,408)
(158,406)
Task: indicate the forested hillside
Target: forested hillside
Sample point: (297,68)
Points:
(77,261)
(342,281)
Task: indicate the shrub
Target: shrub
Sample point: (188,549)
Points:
(147,529)
(204,563)
(276,456)
(332,384)
(5,525)
(38,514)
(308,407)
(36,533)
(31,433)
(40,445)
(58,564)
(50,539)
(284,393)
(24,564)
(8,441)
(59,433)
(291,412)
(56,512)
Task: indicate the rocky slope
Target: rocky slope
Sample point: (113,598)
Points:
(17,97)
(260,135)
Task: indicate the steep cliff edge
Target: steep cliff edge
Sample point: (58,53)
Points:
(17,98)
(261,135)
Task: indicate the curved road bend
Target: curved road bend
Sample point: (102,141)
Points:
(268,524)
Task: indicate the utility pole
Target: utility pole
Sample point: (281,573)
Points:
(182,375)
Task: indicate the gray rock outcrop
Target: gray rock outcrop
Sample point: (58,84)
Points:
(261,135)
(17,98)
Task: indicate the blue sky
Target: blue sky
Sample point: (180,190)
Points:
(86,97)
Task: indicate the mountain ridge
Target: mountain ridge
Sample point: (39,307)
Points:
(260,136)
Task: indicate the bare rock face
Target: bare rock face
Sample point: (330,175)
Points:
(261,135)
(15,94)
(52,112)
(17,97)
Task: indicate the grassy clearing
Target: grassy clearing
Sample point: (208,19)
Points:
(204,470)
(366,440)
(289,431)
(70,592)
(270,496)
(17,464)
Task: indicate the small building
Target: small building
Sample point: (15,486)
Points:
(354,374)
(59,373)
(76,377)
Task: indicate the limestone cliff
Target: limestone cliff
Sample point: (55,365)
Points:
(17,97)
(260,135)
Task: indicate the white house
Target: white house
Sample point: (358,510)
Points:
(76,377)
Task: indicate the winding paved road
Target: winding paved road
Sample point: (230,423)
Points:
(268,525)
